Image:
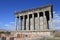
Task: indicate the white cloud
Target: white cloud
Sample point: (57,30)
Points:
(7,25)
(56,20)
(12,22)
(10,26)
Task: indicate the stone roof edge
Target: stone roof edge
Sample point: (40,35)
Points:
(34,9)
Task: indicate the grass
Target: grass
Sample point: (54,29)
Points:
(53,38)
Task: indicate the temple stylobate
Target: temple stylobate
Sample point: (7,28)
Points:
(35,19)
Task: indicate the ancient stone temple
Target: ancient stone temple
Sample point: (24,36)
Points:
(32,24)
(35,22)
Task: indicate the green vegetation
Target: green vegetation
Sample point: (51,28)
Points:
(5,32)
(53,38)
(56,33)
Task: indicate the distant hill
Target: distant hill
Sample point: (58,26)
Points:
(57,33)
(3,30)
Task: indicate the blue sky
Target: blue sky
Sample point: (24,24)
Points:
(8,7)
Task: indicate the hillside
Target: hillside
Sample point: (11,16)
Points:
(56,33)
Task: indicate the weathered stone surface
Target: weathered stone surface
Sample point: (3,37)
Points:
(32,24)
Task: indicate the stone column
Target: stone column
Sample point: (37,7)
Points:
(16,23)
(50,16)
(19,27)
(32,28)
(23,23)
(27,22)
(38,22)
(44,21)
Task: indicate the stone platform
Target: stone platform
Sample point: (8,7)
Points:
(30,35)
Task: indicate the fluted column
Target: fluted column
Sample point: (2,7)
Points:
(32,28)
(50,17)
(23,23)
(16,23)
(38,22)
(44,21)
(27,22)
(19,27)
